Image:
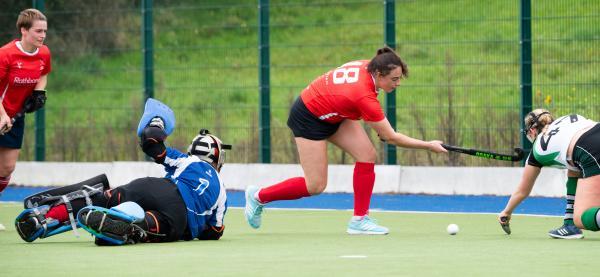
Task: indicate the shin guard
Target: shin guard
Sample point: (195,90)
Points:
(83,189)
(153,227)
(33,223)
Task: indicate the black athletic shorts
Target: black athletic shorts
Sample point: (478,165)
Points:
(305,125)
(586,153)
(14,138)
(159,195)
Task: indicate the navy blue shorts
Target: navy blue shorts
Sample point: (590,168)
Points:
(586,152)
(305,125)
(14,138)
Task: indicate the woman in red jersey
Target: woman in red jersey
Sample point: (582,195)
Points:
(24,66)
(329,109)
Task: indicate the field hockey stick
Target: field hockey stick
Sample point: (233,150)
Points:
(17,116)
(520,154)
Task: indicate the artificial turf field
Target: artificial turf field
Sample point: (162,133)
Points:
(314,243)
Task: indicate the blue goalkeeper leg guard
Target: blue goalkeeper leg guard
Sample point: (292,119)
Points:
(33,223)
(114,226)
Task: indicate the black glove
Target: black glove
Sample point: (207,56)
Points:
(35,101)
(212,233)
(152,143)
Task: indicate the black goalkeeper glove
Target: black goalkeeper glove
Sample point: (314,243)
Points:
(212,233)
(152,143)
(35,101)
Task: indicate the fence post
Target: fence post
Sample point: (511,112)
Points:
(147,49)
(526,67)
(264,140)
(390,98)
(40,115)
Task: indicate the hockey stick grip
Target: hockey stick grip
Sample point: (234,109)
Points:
(19,114)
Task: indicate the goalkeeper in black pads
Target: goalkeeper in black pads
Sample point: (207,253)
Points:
(189,202)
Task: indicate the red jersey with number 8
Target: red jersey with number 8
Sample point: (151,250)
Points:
(20,72)
(347,92)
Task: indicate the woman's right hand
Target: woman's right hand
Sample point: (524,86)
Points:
(504,217)
(5,124)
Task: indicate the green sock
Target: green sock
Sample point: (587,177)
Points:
(571,189)
(590,219)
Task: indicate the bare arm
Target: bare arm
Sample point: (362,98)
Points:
(5,121)
(528,178)
(387,133)
(41,85)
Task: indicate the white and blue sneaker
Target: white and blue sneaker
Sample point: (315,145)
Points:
(254,209)
(566,232)
(366,226)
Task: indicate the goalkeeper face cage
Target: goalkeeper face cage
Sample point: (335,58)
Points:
(208,148)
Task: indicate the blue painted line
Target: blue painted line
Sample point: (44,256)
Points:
(387,202)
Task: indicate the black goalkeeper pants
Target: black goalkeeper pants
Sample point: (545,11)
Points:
(161,200)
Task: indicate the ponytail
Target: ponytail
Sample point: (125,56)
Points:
(385,61)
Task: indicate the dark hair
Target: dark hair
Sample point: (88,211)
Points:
(26,18)
(385,61)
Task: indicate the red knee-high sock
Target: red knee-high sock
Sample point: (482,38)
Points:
(290,189)
(59,213)
(363,182)
(4,182)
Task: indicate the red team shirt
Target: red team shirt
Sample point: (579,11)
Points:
(347,92)
(19,73)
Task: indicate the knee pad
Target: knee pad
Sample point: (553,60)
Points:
(155,226)
(590,219)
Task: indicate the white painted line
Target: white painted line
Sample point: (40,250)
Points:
(401,212)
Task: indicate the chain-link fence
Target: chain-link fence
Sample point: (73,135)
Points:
(464,58)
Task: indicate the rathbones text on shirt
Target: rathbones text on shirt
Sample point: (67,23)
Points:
(25,81)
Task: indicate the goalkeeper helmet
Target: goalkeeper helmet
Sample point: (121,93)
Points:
(208,148)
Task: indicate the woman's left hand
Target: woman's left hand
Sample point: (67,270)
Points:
(436,146)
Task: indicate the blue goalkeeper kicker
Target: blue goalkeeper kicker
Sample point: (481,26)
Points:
(48,229)
(113,213)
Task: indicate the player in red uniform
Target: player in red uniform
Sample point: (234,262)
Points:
(329,109)
(24,66)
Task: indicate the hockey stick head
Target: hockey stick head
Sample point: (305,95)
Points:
(520,154)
